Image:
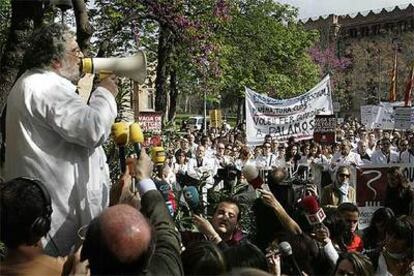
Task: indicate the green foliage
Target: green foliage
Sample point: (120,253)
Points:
(265,49)
(5,15)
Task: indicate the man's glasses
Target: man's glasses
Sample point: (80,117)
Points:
(344,175)
(77,52)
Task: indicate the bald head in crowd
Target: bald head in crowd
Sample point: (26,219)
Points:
(118,241)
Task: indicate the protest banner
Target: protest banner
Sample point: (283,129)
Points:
(285,118)
(150,121)
(371,184)
(379,116)
(324,130)
(403,118)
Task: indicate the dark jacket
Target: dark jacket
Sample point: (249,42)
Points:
(166,258)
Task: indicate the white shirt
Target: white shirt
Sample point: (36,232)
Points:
(339,160)
(208,168)
(317,166)
(407,157)
(55,137)
(378,157)
(266,161)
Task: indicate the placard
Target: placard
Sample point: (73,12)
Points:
(150,121)
(324,130)
(371,185)
(402,117)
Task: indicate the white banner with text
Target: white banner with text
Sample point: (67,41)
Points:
(288,117)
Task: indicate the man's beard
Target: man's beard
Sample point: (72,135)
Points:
(70,72)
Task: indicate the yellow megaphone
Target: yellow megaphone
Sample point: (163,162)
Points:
(133,67)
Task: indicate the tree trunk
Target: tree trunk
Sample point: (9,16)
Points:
(240,110)
(173,95)
(84,29)
(173,82)
(25,16)
(161,90)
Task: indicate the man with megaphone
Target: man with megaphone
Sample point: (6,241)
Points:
(53,136)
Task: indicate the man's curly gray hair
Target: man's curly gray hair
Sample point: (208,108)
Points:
(47,43)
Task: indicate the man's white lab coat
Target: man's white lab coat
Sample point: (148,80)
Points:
(53,136)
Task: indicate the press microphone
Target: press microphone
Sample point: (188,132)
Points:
(251,173)
(286,251)
(168,195)
(120,134)
(192,197)
(136,137)
(313,212)
(158,156)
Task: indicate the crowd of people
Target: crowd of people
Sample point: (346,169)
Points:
(214,206)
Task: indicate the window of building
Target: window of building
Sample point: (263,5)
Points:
(353,32)
(150,98)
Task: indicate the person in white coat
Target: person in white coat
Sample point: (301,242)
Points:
(407,156)
(53,136)
(385,155)
(345,157)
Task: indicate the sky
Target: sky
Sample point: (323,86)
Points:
(311,8)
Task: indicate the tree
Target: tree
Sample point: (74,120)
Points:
(25,17)
(330,63)
(265,49)
(178,34)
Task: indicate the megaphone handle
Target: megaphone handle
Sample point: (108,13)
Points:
(122,159)
(137,148)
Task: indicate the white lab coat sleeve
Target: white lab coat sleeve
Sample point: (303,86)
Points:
(191,170)
(76,122)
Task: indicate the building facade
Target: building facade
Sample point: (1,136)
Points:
(371,41)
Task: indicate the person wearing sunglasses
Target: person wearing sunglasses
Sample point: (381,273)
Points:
(340,190)
(407,156)
(385,155)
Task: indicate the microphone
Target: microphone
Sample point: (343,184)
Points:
(136,137)
(286,251)
(192,198)
(251,173)
(120,134)
(168,195)
(313,212)
(158,156)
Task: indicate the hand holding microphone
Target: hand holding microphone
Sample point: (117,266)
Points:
(313,212)
(286,249)
(251,173)
(270,200)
